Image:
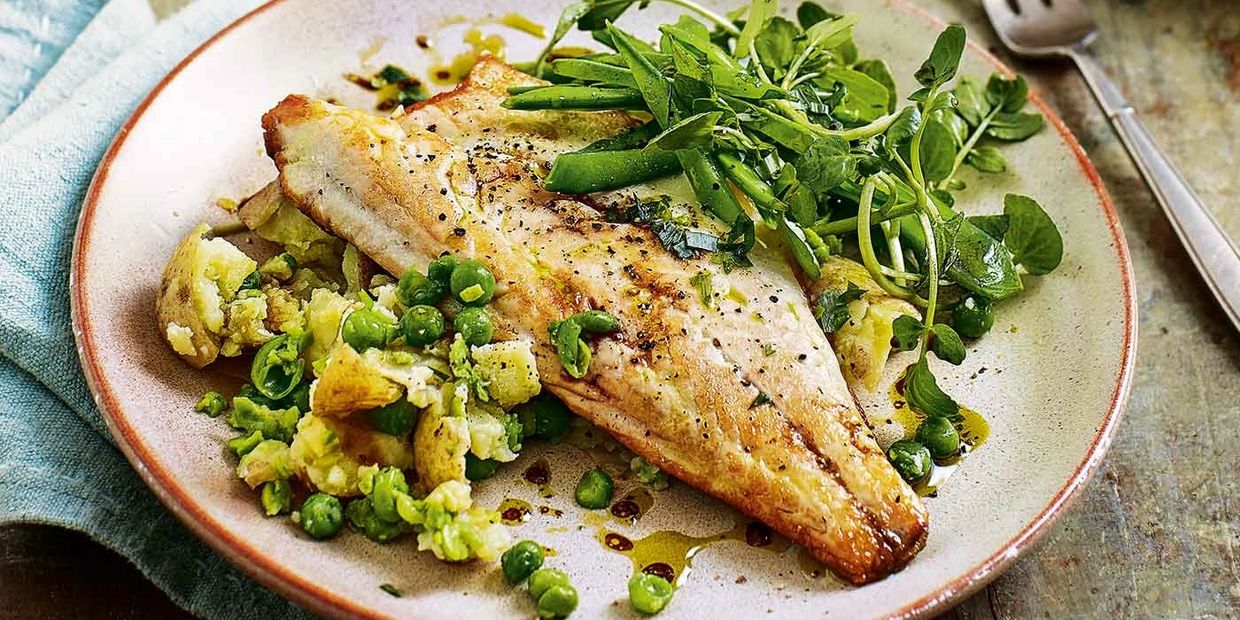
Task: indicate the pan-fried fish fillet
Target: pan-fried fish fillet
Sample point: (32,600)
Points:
(742,398)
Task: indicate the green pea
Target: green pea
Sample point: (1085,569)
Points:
(276,497)
(394,419)
(474,325)
(557,602)
(543,579)
(322,516)
(939,436)
(472,283)
(911,459)
(595,489)
(365,519)
(242,445)
(421,325)
(415,289)
(440,269)
(479,469)
(386,486)
(521,560)
(649,594)
(545,417)
(973,316)
(212,403)
(366,329)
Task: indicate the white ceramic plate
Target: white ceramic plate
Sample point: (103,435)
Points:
(1057,364)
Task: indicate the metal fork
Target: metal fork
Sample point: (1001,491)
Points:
(1063,28)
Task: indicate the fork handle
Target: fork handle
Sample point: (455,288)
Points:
(1208,245)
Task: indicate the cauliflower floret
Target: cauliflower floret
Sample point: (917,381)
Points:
(244,326)
(324,313)
(510,370)
(440,441)
(327,453)
(268,461)
(201,277)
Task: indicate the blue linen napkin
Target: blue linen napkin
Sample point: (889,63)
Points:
(58,465)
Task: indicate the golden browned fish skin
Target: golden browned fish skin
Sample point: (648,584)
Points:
(741,398)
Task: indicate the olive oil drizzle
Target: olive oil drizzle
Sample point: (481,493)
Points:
(669,554)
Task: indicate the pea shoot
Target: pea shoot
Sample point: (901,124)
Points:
(649,594)
(472,283)
(278,367)
(568,336)
(321,516)
(521,560)
(595,489)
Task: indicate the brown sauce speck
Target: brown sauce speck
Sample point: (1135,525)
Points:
(539,473)
(617,542)
(757,534)
(625,509)
(660,569)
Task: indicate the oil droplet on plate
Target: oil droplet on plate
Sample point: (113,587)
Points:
(670,554)
(514,511)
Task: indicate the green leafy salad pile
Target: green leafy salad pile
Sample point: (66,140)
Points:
(783,124)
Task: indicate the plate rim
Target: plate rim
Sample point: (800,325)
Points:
(272,574)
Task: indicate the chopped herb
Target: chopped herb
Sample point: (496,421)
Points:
(768,349)
(706,292)
(390,589)
(759,400)
(831,310)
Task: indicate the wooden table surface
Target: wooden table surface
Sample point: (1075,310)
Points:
(1157,533)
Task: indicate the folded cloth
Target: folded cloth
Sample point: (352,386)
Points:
(57,463)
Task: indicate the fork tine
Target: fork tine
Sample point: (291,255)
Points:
(999,11)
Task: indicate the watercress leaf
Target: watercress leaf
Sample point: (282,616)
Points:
(654,87)
(568,17)
(1008,95)
(878,71)
(801,251)
(994,225)
(829,34)
(946,344)
(971,102)
(775,44)
(983,264)
(593,71)
(944,59)
(810,13)
(906,332)
(923,393)
(1032,235)
(954,122)
(782,130)
(905,125)
(825,164)
(865,100)
(755,20)
(831,310)
(600,13)
(802,204)
(938,150)
(690,132)
(986,159)
(1014,126)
